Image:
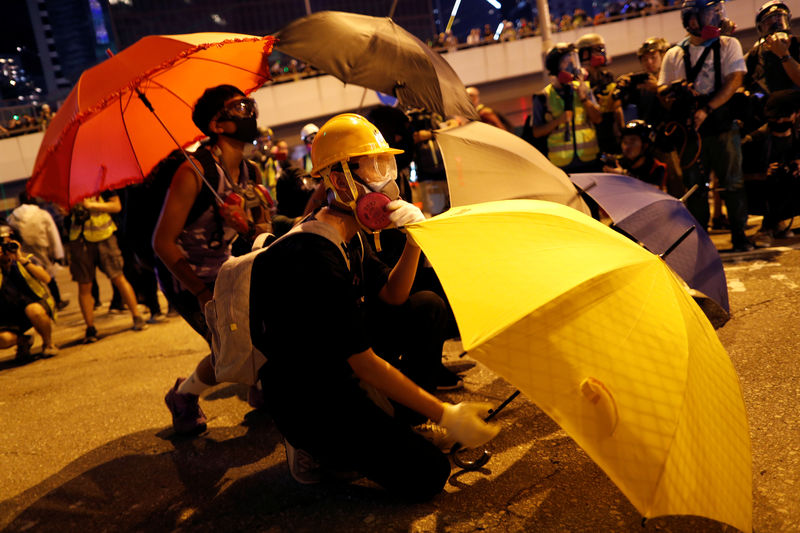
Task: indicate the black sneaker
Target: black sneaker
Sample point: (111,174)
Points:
(62,304)
(447,380)
(187,416)
(24,343)
(743,246)
(91,335)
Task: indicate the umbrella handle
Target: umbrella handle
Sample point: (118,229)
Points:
(457,449)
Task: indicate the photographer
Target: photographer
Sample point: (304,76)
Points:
(566,113)
(24,300)
(593,56)
(713,65)
(772,63)
(774,151)
(637,158)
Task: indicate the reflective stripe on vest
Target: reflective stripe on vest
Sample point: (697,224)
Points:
(582,140)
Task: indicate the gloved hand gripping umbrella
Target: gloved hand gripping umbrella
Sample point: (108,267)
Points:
(125,114)
(603,336)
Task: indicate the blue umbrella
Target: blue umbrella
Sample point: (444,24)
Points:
(660,223)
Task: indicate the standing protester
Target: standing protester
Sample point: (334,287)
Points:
(307,135)
(566,113)
(487,114)
(24,300)
(713,65)
(311,378)
(594,58)
(92,243)
(772,62)
(194,234)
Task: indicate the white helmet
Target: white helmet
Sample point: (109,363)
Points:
(307,131)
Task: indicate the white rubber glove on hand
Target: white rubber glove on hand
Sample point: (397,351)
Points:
(464,422)
(402,213)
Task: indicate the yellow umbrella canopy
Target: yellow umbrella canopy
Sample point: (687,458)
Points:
(605,339)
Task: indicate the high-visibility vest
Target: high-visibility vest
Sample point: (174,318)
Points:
(581,140)
(99,227)
(38,288)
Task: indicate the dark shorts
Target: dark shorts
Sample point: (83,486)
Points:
(86,256)
(13,317)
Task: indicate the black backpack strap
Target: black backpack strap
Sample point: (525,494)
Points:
(205,198)
(692,71)
(717,65)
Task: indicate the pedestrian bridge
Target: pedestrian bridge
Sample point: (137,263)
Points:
(314,99)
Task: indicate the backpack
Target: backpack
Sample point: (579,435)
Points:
(228,312)
(142,203)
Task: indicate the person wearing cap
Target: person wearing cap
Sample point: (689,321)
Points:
(713,64)
(24,299)
(773,63)
(566,113)
(324,384)
(773,152)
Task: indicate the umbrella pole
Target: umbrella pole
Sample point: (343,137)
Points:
(677,242)
(197,171)
(689,193)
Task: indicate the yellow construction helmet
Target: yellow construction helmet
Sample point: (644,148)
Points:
(346,136)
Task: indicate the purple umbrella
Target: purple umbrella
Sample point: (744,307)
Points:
(663,225)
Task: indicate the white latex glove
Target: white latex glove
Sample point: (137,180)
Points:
(464,422)
(402,213)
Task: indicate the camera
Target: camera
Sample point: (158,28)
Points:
(80,214)
(10,247)
(421,120)
(609,160)
(627,88)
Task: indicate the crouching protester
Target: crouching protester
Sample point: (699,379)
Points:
(194,234)
(25,301)
(332,292)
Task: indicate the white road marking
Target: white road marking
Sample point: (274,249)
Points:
(786,281)
(752,267)
(734,285)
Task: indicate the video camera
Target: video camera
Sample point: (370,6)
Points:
(685,100)
(609,160)
(627,88)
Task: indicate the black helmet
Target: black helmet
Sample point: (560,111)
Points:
(772,17)
(553,58)
(641,128)
(693,8)
(653,44)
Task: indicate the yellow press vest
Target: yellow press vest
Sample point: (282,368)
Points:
(582,140)
(38,288)
(98,228)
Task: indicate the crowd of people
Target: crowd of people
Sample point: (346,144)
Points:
(698,117)
(329,230)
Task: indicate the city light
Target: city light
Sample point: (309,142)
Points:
(495,4)
(497,31)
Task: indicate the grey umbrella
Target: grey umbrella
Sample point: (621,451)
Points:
(376,53)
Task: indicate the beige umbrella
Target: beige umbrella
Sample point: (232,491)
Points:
(484,163)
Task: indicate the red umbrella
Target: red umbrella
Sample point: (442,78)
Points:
(104,137)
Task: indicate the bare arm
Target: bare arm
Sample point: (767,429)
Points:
(542,130)
(779,46)
(732,82)
(181,196)
(592,109)
(113,205)
(401,278)
(386,378)
(35,270)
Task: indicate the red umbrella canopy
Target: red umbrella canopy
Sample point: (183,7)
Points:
(103,137)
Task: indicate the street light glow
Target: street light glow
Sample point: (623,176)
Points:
(495,4)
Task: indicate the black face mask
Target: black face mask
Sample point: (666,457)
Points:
(246,129)
(779,127)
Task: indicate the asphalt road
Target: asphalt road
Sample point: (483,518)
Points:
(86,442)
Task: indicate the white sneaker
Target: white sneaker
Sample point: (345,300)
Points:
(303,467)
(436,435)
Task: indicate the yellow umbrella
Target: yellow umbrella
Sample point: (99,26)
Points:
(604,338)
